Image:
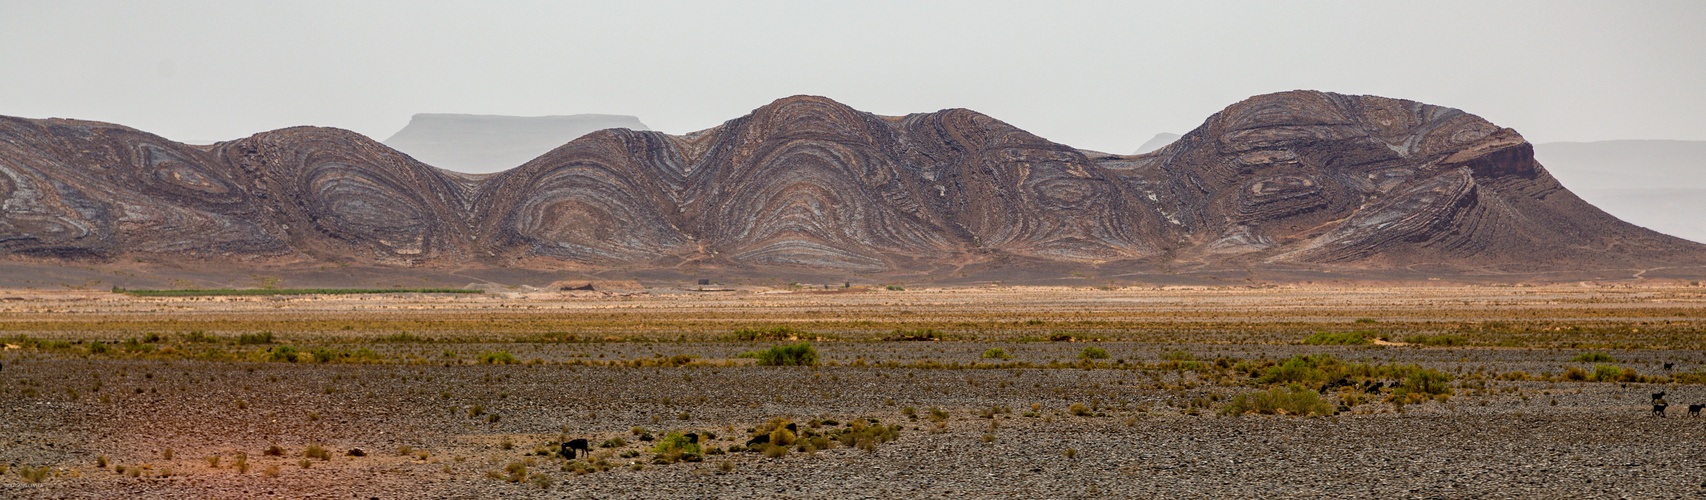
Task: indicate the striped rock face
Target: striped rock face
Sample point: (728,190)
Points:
(1313,178)
(1296,179)
(809,182)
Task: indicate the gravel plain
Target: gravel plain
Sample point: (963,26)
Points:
(1150,431)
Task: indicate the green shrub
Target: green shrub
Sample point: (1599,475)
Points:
(1093,352)
(778,333)
(1345,338)
(1609,373)
(801,354)
(137,346)
(34,475)
(1436,340)
(255,338)
(497,358)
(1293,400)
(324,355)
(98,347)
(1298,370)
(996,353)
(284,353)
(1426,381)
(675,442)
(927,334)
(199,336)
(1593,357)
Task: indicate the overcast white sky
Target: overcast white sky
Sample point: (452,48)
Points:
(1095,75)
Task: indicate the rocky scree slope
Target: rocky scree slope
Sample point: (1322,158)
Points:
(1289,180)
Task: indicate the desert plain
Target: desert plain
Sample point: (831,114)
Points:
(1443,391)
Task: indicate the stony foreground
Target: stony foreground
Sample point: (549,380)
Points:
(428,397)
(1511,440)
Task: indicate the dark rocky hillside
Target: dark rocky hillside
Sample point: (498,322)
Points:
(1296,182)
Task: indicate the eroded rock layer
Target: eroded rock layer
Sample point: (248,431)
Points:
(1321,178)
(1306,179)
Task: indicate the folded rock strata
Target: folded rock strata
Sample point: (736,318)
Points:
(1290,179)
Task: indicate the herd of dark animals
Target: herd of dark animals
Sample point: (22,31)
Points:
(581,447)
(1659,405)
(765,438)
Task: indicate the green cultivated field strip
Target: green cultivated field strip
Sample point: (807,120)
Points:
(288,291)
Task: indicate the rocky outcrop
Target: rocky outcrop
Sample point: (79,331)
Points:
(809,182)
(1292,180)
(1321,178)
(76,189)
(342,194)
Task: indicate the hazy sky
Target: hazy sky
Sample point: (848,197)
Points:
(1096,75)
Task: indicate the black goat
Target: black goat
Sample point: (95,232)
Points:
(1668,366)
(1658,395)
(1694,410)
(1659,409)
(575,444)
(760,439)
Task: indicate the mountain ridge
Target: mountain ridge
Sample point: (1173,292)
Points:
(1294,182)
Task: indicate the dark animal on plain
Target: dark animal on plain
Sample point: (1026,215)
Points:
(1659,409)
(1658,395)
(1668,366)
(761,439)
(692,437)
(576,444)
(792,428)
(1694,410)
(1375,387)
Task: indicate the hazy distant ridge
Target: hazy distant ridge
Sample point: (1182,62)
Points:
(493,143)
(1160,140)
(1660,185)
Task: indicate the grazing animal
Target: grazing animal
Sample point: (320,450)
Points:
(576,444)
(1694,410)
(1658,395)
(692,437)
(1659,409)
(761,439)
(1668,366)
(1375,387)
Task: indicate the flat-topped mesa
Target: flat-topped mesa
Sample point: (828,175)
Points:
(1290,181)
(491,143)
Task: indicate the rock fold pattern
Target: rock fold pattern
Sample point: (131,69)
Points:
(1291,179)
